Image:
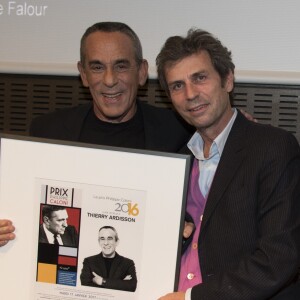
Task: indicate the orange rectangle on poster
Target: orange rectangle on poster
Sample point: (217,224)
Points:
(46,273)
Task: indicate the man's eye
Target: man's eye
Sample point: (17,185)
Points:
(199,78)
(121,67)
(176,87)
(97,68)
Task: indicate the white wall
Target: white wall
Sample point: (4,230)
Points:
(264,35)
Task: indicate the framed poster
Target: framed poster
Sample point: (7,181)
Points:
(91,222)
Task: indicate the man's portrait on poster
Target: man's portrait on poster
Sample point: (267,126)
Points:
(55,228)
(108,269)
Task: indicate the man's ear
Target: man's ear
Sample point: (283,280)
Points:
(46,220)
(143,72)
(229,82)
(81,70)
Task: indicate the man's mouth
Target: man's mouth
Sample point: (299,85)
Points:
(198,108)
(112,96)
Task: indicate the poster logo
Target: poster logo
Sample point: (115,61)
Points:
(59,195)
(130,208)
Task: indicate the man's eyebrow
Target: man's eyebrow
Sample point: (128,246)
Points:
(94,62)
(200,72)
(191,76)
(117,61)
(122,60)
(175,82)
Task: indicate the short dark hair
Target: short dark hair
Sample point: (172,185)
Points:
(176,48)
(113,27)
(112,228)
(47,210)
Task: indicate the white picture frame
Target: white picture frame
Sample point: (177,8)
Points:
(155,183)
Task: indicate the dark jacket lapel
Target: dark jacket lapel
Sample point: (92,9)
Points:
(232,157)
(164,131)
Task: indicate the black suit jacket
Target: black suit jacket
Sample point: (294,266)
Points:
(163,130)
(69,238)
(120,268)
(249,243)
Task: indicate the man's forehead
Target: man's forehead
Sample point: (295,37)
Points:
(60,213)
(109,43)
(188,66)
(107,232)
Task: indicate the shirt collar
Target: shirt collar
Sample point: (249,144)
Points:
(50,235)
(195,144)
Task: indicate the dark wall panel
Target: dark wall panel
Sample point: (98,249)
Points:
(23,97)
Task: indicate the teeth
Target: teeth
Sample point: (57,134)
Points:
(112,96)
(198,107)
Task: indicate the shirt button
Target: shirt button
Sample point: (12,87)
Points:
(190,276)
(195,245)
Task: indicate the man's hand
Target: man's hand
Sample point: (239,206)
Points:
(128,277)
(248,116)
(97,279)
(173,296)
(188,229)
(6,232)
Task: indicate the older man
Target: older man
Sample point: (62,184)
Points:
(108,269)
(112,66)
(55,228)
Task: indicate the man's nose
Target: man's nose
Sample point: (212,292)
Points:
(110,77)
(190,91)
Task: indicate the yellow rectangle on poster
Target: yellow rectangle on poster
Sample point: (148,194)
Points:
(46,273)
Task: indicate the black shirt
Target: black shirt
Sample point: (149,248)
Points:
(129,134)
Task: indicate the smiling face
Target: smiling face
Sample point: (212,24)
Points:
(108,242)
(112,74)
(198,93)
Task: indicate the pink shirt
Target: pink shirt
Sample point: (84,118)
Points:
(190,273)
